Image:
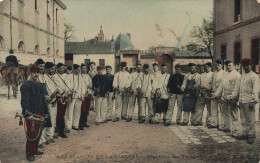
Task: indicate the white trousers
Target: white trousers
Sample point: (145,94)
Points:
(172,101)
(110,105)
(73,113)
(101,109)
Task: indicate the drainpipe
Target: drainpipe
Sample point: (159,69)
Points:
(11,27)
(53,31)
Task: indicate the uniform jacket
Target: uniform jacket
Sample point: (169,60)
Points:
(249,88)
(206,80)
(217,78)
(100,82)
(135,78)
(147,84)
(174,83)
(122,80)
(110,79)
(77,84)
(229,86)
(190,76)
(162,82)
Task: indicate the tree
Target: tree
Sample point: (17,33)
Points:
(203,36)
(69,31)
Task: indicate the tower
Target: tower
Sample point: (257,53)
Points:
(101,35)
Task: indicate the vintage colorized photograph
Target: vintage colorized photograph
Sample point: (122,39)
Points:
(135,81)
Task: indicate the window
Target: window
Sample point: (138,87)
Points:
(21,46)
(223,52)
(237,53)
(36,50)
(57,53)
(2,42)
(237,10)
(56,15)
(102,63)
(35,5)
(87,61)
(255,55)
(48,51)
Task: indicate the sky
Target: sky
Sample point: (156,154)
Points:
(150,22)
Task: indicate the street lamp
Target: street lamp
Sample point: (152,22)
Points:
(11,26)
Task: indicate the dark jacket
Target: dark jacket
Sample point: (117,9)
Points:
(110,79)
(175,83)
(33,99)
(100,82)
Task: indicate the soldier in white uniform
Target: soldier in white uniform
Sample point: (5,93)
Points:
(74,109)
(228,91)
(216,116)
(248,98)
(144,92)
(162,105)
(92,72)
(135,78)
(52,87)
(204,96)
(121,82)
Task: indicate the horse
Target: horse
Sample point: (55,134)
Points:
(11,76)
(24,72)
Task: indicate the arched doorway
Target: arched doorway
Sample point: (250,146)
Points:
(167,60)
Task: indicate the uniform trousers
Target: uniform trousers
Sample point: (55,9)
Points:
(110,105)
(132,101)
(172,101)
(188,115)
(230,111)
(48,132)
(146,101)
(121,104)
(60,121)
(73,113)
(247,115)
(85,107)
(32,139)
(199,109)
(101,109)
(216,116)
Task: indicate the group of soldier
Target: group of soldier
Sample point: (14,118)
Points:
(62,96)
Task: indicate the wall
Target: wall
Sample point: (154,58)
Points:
(33,28)
(109,59)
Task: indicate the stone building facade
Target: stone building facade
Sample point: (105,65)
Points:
(33,29)
(237,30)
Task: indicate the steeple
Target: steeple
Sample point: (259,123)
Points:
(101,37)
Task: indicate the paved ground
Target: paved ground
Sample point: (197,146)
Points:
(126,142)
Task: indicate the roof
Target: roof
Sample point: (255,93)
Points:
(191,54)
(62,5)
(90,47)
(123,42)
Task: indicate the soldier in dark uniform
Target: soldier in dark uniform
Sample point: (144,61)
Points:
(33,102)
(110,79)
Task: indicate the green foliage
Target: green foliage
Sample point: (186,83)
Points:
(69,31)
(203,35)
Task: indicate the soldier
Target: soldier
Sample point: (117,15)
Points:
(174,88)
(204,98)
(68,70)
(52,88)
(218,76)
(248,98)
(101,89)
(121,81)
(41,65)
(189,87)
(92,72)
(144,92)
(62,80)
(33,102)
(135,78)
(74,109)
(85,106)
(110,79)
(228,91)
(163,100)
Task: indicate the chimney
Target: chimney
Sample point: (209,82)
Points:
(129,35)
